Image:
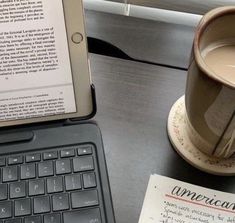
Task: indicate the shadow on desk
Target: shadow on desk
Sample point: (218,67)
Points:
(104,48)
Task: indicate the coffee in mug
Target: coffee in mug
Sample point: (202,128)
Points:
(201,126)
(220,58)
(210,90)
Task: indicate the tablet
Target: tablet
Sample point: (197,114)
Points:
(44,69)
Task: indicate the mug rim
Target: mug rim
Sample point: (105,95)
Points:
(207,19)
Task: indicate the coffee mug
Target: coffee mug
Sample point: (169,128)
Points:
(210,89)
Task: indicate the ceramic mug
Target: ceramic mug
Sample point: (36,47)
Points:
(210,90)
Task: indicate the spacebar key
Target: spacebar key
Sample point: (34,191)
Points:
(83,216)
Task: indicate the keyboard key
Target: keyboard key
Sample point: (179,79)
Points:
(83,164)
(36,187)
(50,155)
(60,202)
(85,150)
(54,184)
(83,216)
(22,207)
(41,205)
(2,161)
(89,180)
(33,158)
(3,192)
(63,166)
(9,174)
(84,199)
(15,160)
(67,153)
(73,182)
(52,218)
(45,169)
(17,190)
(5,209)
(35,219)
(13,221)
(27,171)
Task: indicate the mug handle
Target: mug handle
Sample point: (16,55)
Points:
(229,148)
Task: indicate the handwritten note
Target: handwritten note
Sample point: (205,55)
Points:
(172,201)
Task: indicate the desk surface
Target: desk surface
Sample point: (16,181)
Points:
(134,100)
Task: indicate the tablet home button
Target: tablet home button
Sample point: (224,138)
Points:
(77,38)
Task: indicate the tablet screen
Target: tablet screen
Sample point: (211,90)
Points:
(35,70)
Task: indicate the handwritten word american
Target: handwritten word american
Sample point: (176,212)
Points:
(200,198)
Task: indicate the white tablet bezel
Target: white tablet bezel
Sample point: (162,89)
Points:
(74,20)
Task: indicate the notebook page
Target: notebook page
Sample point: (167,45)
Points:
(35,70)
(172,201)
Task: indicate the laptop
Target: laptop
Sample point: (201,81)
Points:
(52,162)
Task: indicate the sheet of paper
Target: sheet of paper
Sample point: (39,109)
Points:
(35,71)
(172,201)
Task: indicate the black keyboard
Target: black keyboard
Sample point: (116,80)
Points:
(57,185)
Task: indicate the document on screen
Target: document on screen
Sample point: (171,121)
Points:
(35,70)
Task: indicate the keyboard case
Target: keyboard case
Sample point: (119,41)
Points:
(52,135)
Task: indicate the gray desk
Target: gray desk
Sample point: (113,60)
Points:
(133,104)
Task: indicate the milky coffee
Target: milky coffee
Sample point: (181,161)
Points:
(220,59)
